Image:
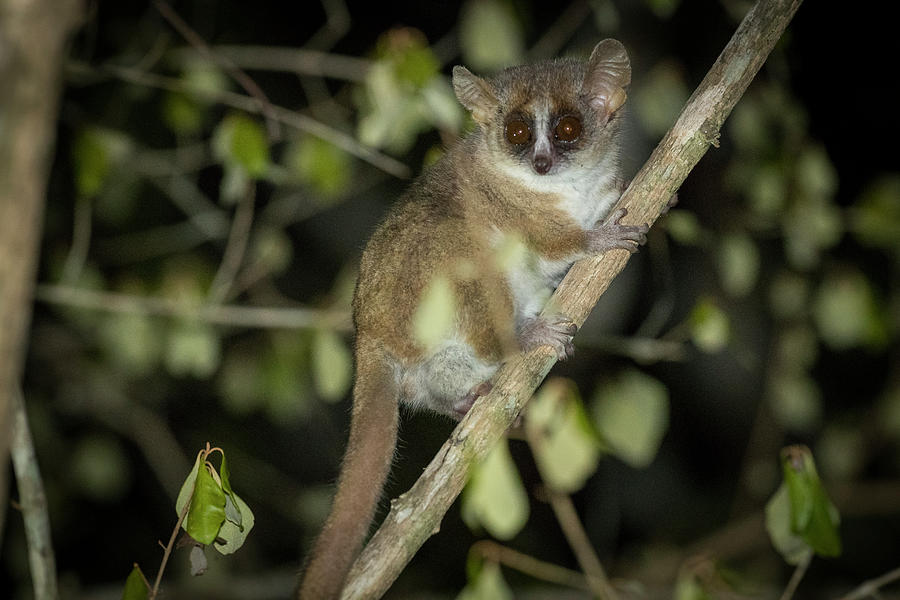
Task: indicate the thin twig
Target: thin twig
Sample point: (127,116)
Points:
(578,540)
(33,501)
(415,515)
(245,81)
(235,248)
(797,577)
(261,317)
(637,348)
(337,24)
(573,529)
(301,61)
(168,548)
(81,240)
(161,240)
(556,36)
(290,118)
(871,587)
(539,569)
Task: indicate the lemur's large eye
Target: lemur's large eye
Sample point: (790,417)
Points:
(567,129)
(518,132)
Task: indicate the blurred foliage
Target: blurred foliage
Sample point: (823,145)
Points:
(490,35)
(566,447)
(800,517)
(776,277)
(486,583)
(494,498)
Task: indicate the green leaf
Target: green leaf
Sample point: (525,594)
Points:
(813,222)
(738,262)
(207,511)
(749,126)
(135,586)
(875,217)
(91,162)
(789,295)
(132,341)
(795,400)
(232,511)
(816,176)
(240,141)
(487,584)
(94,152)
(494,497)
(490,35)
(332,365)
(183,114)
(778,524)
(288,393)
(204,78)
(232,535)
(387,115)
(663,8)
(193,348)
(441,106)
(632,415)
(435,316)
(320,164)
(187,488)
(847,313)
(767,189)
(689,588)
(240,382)
(271,250)
(813,517)
(710,326)
(412,60)
(684,227)
(661,96)
(565,445)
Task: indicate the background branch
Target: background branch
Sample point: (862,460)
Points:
(266,317)
(296,120)
(245,81)
(33,504)
(415,516)
(301,61)
(33,37)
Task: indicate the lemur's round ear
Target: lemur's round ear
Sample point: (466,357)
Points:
(607,73)
(475,94)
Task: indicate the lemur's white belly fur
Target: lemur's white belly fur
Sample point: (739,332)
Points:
(586,193)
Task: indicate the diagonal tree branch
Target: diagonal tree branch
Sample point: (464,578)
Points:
(416,515)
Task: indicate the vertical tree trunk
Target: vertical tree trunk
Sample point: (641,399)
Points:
(33,36)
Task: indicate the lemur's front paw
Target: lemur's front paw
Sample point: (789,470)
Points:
(556,332)
(613,234)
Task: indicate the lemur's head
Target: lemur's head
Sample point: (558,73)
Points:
(545,116)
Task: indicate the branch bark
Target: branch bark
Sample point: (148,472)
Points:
(33,35)
(33,501)
(416,515)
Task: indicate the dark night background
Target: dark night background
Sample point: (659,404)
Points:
(116,424)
